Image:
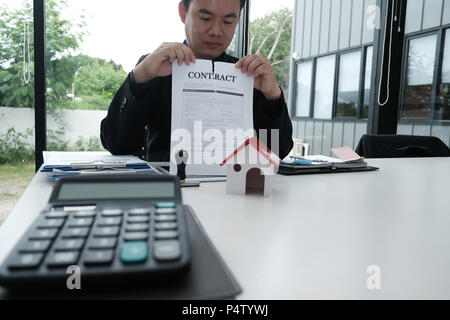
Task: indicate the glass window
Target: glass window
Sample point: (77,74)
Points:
(367,82)
(348,87)
(419,80)
(232,49)
(344,31)
(90,55)
(323,93)
(334,24)
(17,146)
(442,111)
(271,35)
(432,14)
(357,20)
(325,25)
(304,75)
(413,16)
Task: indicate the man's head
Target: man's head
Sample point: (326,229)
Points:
(210,25)
(188,2)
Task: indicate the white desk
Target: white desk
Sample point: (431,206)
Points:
(316,236)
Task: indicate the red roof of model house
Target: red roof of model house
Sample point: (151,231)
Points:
(260,147)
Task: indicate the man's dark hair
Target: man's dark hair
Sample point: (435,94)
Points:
(188,2)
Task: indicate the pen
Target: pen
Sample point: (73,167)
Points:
(191,184)
(302,161)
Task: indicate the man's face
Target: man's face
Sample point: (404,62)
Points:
(210,26)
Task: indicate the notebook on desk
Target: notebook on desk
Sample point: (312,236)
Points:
(321,164)
(208,278)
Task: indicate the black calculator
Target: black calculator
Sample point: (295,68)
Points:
(112,229)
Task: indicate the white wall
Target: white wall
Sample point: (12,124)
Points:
(79,123)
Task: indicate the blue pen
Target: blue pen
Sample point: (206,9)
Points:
(302,161)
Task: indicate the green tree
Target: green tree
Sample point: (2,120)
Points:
(98,77)
(95,83)
(270,37)
(62,39)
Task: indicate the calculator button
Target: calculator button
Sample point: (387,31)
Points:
(132,252)
(112,221)
(166,226)
(75,232)
(166,211)
(139,219)
(80,222)
(85,214)
(165,218)
(26,261)
(69,245)
(140,211)
(112,213)
(166,250)
(137,227)
(92,257)
(44,234)
(35,246)
(59,259)
(106,232)
(135,236)
(165,205)
(51,223)
(102,243)
(56,214)
(165,235)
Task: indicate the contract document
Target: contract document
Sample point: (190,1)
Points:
(212,115)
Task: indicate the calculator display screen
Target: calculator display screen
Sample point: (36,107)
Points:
(117,190)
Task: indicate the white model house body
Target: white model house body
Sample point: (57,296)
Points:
(250,169)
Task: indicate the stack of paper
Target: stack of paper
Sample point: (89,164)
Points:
(320,161)
(59,164)
(346,154)
(348,161)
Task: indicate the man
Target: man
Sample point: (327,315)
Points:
(140,112)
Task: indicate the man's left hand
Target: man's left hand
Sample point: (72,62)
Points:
(261,70)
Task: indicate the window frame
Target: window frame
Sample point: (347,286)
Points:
(437,72)
(311,91)
(39,22)
(440,52)
(313,88)
(363,49)
(363,80)
(360,83)
(40,83)
(242,31)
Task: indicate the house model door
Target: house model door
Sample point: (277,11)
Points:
(254,181)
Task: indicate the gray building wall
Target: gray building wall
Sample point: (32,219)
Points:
(322,27)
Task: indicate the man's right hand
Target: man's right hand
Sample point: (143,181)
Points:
(159,63)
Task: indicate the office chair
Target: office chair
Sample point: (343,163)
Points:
(401,146)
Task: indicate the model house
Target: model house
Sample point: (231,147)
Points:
(250,169)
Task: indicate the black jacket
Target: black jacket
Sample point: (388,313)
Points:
(139,118)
